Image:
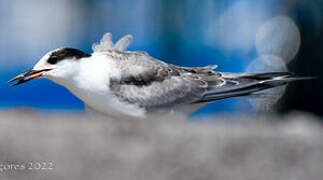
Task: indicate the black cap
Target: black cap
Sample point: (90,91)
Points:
(66,53)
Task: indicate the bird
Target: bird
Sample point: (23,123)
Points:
(116,82)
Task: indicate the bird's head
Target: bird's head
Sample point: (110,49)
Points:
(55,65)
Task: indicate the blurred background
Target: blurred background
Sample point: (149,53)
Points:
(236,143)
(237,35)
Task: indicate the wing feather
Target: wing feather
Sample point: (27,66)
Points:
(151,83)
(123,43)
(106,43)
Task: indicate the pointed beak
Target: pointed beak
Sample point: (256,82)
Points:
(27,76)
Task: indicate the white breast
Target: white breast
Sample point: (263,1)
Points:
(91,85)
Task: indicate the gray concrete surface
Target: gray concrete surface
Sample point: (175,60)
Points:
(88,148)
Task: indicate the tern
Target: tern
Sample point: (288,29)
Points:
(116,82)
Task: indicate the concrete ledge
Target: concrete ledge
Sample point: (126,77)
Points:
(83,148)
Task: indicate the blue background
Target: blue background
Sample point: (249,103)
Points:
(187,33)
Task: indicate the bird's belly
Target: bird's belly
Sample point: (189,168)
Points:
(107,104)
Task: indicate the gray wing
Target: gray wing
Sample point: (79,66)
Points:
(151,83)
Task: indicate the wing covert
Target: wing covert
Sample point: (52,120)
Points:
(151,83)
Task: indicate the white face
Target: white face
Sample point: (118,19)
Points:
(59,71)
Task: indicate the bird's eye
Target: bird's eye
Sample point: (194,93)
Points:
(52,60)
